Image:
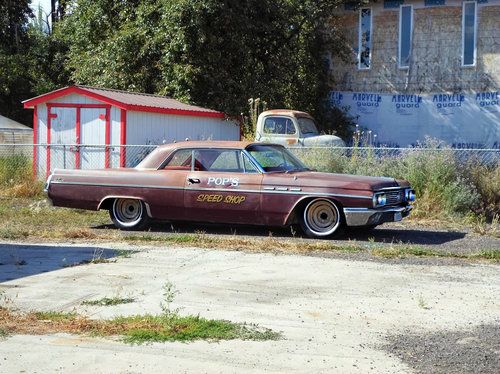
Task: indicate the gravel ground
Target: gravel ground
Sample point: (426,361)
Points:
(476,350)
(433,238)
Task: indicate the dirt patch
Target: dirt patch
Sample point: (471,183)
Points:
(467,351)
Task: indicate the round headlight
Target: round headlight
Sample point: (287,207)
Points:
(410,195)
(379,200)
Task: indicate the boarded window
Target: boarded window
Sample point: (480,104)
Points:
(365,38)
(469,33)
(405,35)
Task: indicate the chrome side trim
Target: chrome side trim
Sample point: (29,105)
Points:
(118,185)
(47,184)
(215,189)
(389,188)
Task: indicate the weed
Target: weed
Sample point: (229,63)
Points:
(54,316)
(138,329)
(169,293)
(109,301)
(493,254)
(124,253)
(422,304)
(12,234)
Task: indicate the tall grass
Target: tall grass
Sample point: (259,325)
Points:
(16,177)
(445,185)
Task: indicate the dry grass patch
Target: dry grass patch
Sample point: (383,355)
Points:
(133,329)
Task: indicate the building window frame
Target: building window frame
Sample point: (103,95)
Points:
(474,55)
(400,60)
(360,41)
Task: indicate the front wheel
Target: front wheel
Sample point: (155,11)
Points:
(321,218)
(129,214)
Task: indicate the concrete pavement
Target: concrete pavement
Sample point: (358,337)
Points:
(335,314)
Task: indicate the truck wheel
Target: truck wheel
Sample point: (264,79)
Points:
(321,218)
(129,214)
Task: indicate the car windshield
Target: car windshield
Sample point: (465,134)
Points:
(307,126)
(274,158)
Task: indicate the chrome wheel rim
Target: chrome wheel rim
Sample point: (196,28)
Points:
(322,217)
(127,212)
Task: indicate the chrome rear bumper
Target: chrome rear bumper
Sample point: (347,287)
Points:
(368,217)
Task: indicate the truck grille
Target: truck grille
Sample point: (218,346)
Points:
(394,197)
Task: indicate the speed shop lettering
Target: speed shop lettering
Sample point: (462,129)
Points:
(216,198)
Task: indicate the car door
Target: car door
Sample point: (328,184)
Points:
(223,186)
(166,198)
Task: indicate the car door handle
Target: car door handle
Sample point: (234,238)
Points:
(193,180)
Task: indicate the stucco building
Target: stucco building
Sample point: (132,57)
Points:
(422,68)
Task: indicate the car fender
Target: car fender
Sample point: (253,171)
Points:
(291,217)
(104,200)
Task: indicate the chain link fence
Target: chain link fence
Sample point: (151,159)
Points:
(20,161)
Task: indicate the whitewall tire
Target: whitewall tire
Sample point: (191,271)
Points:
(321,218)
(129,214)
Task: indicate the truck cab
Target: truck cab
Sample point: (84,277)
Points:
(292,128)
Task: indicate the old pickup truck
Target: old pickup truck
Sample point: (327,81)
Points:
(232,183)
(292,128)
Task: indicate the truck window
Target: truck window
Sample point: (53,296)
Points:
(279,126)
(307,126)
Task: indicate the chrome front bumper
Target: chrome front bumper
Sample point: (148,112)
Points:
(368,217)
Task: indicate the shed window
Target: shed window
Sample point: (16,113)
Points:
(365,38)
(405,35)
(469,27)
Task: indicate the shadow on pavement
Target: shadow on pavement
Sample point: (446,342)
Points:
(382,234)
(18,261)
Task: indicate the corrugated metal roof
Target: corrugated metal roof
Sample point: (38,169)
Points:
(7,124)
(128,100)
(142,99)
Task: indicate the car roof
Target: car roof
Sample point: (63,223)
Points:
(207,144)
(155,158)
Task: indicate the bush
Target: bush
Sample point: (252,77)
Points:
(445,186)
(16,177)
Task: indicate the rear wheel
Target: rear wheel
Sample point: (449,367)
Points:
(321,218)
(129,214)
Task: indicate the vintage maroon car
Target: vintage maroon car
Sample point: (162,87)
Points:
(234,183)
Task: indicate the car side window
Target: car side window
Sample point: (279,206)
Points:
(227,160)
(279,126)
(247,164)
(181,160)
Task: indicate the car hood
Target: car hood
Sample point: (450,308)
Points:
(311,140)
(329,180)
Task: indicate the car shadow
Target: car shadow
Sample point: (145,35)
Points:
(382,234)
(19,261)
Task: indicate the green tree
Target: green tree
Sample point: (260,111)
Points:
(31,60)
(14,41)
(208,52)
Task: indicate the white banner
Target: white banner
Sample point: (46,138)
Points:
(463,120)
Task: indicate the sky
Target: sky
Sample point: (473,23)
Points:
(45,5)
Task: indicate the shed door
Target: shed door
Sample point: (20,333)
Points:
(92,138)
(62,134)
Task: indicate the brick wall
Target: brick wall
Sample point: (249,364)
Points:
(436,51)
